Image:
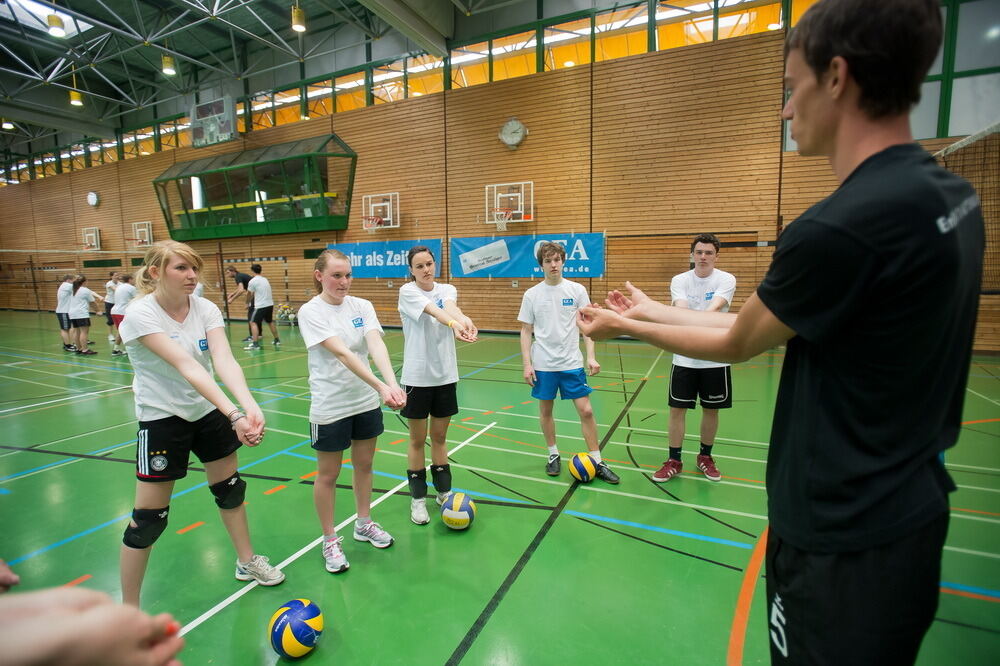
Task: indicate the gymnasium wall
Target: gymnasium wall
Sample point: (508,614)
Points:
(650,149)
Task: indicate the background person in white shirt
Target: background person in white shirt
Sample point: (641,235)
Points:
(553,361)
(341,332)
(432,321)
(109,302)
(79,314)
(64,295)
(263,308)
(199,290)
(708,289)
(124,293)
(174,340)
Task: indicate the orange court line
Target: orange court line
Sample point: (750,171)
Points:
(468,418)
(309,475)
(506,439)
(275,489)
(970,595)
(985,513)
(399,440)
(661,376)
(191,527)
(527,402)
(980,421)
(79,580)
(508,407)
(485,413)
(741,616)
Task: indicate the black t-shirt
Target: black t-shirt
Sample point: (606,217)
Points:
(880,281)
(244,280)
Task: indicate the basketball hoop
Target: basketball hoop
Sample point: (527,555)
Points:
(371,222)
(501,216)
(137,243)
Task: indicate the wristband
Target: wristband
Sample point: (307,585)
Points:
(235,415)
(241,415)
(452,323)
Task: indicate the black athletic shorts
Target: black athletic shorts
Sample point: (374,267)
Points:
(869,607)
(337,436)
(424,401)
(165,445)
(80,323)
(260,315)
(64,322)
(107,313)
(713,385)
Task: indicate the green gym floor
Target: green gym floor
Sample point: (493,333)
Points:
(552,571)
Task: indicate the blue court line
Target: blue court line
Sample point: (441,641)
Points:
(114,446)
(487,367)
(4,491)
(970,588)
(472,493)
(663,530)
(119,519)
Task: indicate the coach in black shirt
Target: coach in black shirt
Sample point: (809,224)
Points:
(242,282)
(875,291)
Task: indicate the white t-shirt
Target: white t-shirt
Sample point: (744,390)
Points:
(79,304)
(160,390)
(63,297)
(429,357)
(109,291)
(336,391)
(199,289)
(261,290)
(699,293)
(552,313)
(125,293)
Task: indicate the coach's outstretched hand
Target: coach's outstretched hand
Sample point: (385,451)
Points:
(633,306)
(598,323)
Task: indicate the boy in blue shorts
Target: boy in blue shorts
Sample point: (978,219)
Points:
(553,361)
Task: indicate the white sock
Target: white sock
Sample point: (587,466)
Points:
(553,450)
(596,455)
(329,537)
(363,521)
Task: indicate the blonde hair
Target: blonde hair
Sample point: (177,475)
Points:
(159,254)
(322,260)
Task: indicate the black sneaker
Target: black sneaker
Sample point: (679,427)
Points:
(605,474)
(552,466)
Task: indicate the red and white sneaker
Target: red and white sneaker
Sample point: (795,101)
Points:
(670,469)
(707,465)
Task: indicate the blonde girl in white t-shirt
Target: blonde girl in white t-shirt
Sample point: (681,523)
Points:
(174,340)
(341,332)
(432,321)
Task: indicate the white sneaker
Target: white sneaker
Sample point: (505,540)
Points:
(418,511)
(259,570)
(444,497)
(251,346)
(111,338)
(336,561)
(373,533)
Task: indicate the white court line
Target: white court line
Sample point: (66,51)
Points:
(191,626)
(51,386)
(70,397)
(979,553)
(65,439)
(979,518)
(687,505)
(976,468)
(75,374)
(988,490)
(982,396)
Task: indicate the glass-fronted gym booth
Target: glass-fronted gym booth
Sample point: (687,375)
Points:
(302,185)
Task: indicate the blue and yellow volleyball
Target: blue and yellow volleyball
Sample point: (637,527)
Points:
(459,511)
(295,628)
(583,467)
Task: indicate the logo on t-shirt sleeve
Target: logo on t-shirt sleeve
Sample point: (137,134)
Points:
(709,295)
(439,303)
(358,322)
(567,301)
(203,344)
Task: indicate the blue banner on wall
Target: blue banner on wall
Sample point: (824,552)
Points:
(386,259)
(514,256)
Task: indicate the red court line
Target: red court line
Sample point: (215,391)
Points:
(741,616)
(970,595)
(985,513)
(275,489)
(980,421)
(309,475)
(79,580)
(190,527)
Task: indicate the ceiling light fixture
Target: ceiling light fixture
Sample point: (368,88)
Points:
(75,98)
(6,124)
(167,63)
(56,26)
(298,18)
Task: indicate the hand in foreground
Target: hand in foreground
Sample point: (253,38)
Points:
(393,396)
(8,578)
(598,323)
(250,428)
(627,306)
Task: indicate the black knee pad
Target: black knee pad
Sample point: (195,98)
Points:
(229,494)
(149,525)
(441,474)
(417,479)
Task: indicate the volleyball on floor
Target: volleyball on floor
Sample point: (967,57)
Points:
(295,628)
(582,467)
(459,511)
